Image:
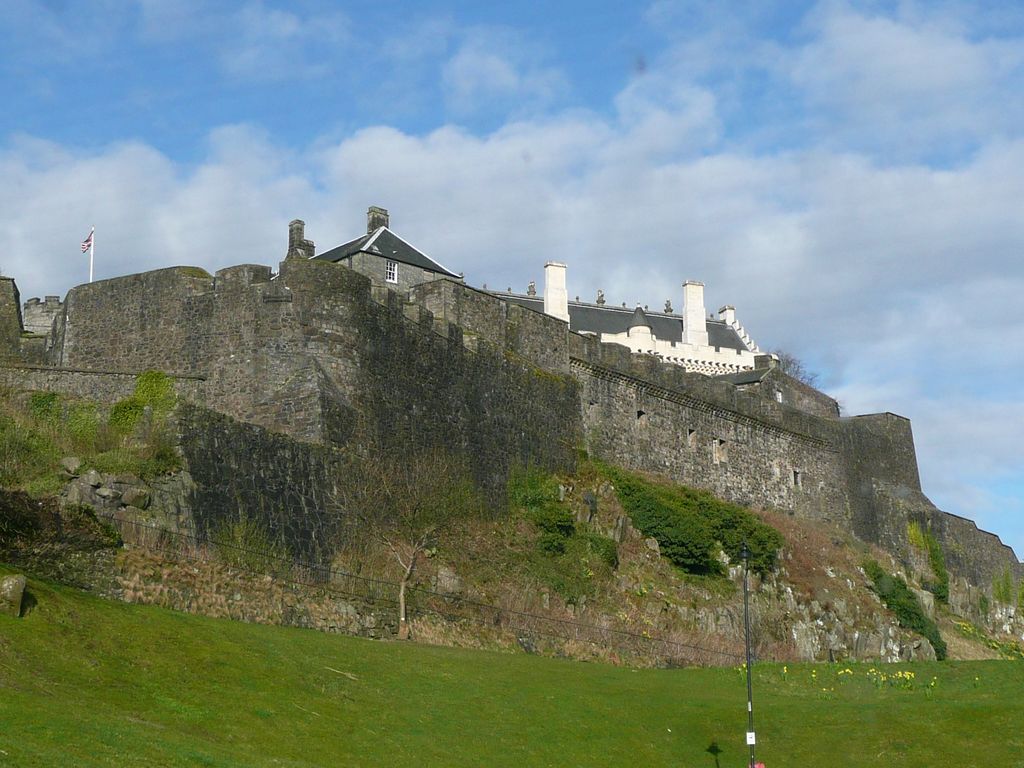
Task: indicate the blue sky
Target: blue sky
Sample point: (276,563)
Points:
(847,174)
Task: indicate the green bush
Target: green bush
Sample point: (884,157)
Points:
(83,425)
(551,543)
(125,415)
(553,518)
(604,548)
(28,456)
(45,407)
(248,545)
(155,389)
(898,598)
(1004,588)
(530,488)
(687,523)
(924,540)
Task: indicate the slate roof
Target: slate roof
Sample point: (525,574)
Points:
(595,318)
(746,377)
(385,243)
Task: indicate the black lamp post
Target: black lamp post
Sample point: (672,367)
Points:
(745,554)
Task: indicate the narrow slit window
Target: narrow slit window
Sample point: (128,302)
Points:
(391,272)
(691,438)
(798,478)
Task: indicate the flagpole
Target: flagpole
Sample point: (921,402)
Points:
(92,249)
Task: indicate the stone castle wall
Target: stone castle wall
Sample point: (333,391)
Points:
(321,356)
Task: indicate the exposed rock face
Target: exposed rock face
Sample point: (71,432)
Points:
(12,589)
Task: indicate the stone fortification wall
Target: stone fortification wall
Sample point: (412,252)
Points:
(319,354)
(103,386)
(407,380)
(39,315)
(645,426)
(10,319)
(539,338)
(244,471)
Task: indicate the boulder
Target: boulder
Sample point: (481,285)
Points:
(71,464)
(927,601)
(12,589)
(448,581)
(136,497)
(93,478)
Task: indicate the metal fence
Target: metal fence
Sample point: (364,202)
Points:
(529,628)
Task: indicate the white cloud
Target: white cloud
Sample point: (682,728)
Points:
(269,44)
(916,81)
(498,69)
(901,280)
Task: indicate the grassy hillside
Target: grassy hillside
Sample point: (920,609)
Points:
(89,682)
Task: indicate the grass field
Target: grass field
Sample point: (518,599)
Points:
(89,682)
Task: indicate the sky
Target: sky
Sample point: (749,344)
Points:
(848,175)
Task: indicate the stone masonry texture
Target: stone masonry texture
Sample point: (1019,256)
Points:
(285,375)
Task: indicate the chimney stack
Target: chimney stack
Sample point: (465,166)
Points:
(695,330)
(556,298)
(376,217)
(298,246)
(727,314)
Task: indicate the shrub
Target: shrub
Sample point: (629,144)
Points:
(936,560)
(604,548)
(530,488)
(83,425)
(898,598)
(1004,588)
(551,543)
(155,389)
(45,407)
(125,415)
(687,523)
(554,519)
(247,545)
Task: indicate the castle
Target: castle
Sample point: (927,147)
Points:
(374,342)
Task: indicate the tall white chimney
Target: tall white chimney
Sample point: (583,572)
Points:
(695,330)
(556,299)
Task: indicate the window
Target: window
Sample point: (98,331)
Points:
(721,454)
(691,438)
(391,272)
(798,478)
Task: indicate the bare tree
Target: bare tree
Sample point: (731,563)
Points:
(791,365)
(407,504)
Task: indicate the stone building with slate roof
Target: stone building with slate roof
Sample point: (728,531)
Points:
(382,256)
(692,340)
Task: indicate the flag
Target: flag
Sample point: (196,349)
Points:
(87,243)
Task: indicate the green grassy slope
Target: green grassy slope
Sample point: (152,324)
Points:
(89,682)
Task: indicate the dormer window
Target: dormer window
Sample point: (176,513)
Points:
(391,272)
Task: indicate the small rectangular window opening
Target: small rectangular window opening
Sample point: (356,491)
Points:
(798,478)
(721,451)
(691,438)
(391,272)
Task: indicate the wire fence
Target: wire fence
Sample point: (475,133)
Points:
(525,625)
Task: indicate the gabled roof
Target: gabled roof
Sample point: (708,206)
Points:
(386,244)
(598,318)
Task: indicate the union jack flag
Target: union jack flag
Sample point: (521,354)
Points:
(87,243)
